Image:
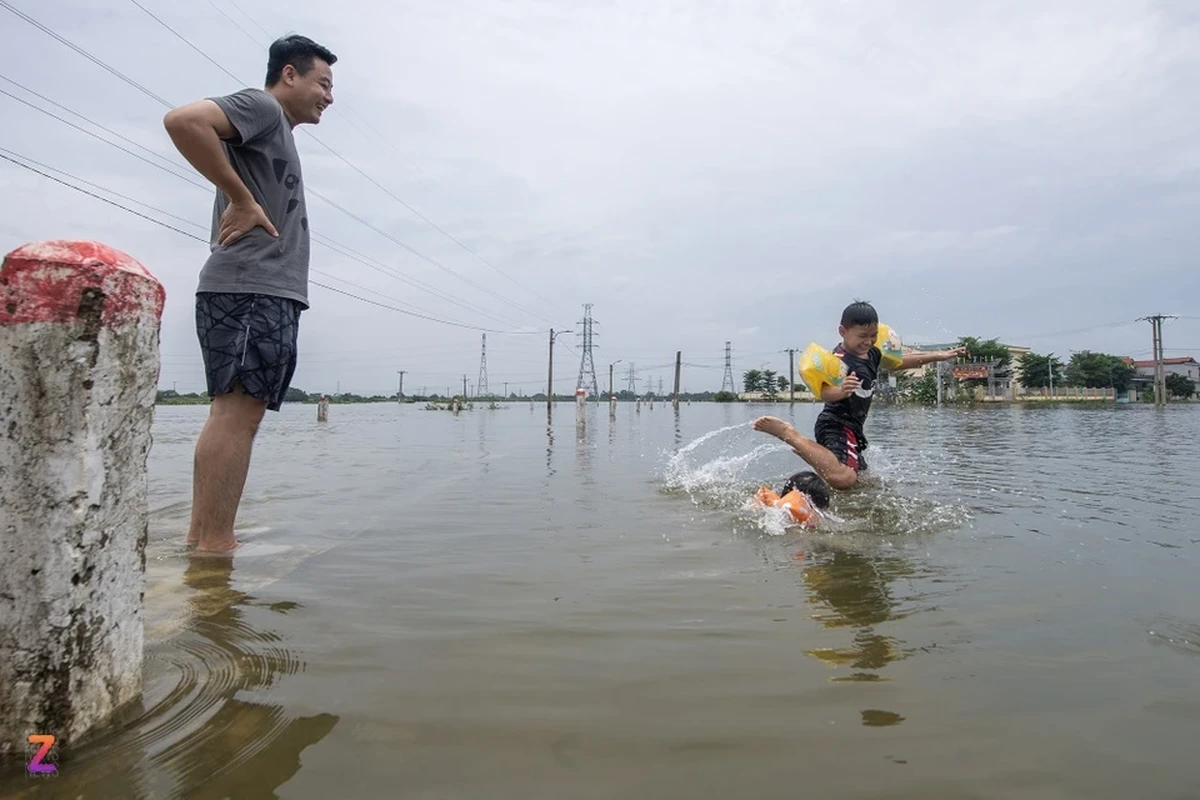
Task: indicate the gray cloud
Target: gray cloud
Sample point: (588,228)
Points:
(700,172)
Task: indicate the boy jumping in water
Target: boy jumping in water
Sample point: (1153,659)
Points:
(836,454)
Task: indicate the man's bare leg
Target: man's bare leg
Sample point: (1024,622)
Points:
(222,462)
(825,463)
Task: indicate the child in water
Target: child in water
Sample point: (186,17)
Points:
(836,453)
(800,495)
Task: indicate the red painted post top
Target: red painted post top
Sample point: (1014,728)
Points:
(54,281)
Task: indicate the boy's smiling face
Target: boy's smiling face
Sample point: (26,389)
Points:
(858,340)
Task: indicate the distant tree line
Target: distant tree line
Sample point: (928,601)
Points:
(1085,368)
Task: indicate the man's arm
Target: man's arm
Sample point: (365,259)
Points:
(197,130)
(921,359)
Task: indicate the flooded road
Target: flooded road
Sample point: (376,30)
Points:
(482,606)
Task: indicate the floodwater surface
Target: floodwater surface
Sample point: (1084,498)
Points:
(487,606)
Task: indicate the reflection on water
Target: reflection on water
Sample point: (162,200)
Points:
(853,590)
(874,718)
(199,732)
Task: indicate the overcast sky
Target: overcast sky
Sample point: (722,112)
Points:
(699,171)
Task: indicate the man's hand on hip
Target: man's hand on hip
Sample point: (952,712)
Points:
(242,217)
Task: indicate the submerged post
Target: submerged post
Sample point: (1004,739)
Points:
(79,366)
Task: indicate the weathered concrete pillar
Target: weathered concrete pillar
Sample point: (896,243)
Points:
(79,361)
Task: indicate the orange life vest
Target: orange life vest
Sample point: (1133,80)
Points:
(794,501)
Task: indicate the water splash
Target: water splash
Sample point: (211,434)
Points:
(718,473)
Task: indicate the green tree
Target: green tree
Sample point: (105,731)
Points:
(752,380)
(921,390)
(1180,385)
(767,384)
(1096,370)
(986,350)
(783,383)
(1035,370)
(724,397)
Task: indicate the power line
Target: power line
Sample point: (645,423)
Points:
(416,283)
(350,164)
(389,143)
(1053,334)
(98,197)
(205,241)
(114,71)
(235,24)
(94,135)
(247,16)
(140,87)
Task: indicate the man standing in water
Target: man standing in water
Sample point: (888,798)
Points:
(254,284)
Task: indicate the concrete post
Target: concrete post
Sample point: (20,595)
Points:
(79,366)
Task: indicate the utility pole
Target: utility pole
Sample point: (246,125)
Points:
(464,387)
(632,380)
(550,371)
(678,363)
(400,390)
(1160,378)
(1050,373)
(791,375)
(610,375)
(506,390)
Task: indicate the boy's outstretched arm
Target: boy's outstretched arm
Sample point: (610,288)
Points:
(921,359)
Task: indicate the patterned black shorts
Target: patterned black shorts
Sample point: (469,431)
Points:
(251,339)
(843,441)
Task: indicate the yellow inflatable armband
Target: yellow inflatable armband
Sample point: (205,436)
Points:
(889,344)
(818,367)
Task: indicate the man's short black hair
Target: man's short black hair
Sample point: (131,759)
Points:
(811,484)
(299,51)
(859,312)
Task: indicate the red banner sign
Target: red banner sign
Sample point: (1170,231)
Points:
(965,372)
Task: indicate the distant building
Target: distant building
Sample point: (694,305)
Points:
(1008,384)
(1187,367)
